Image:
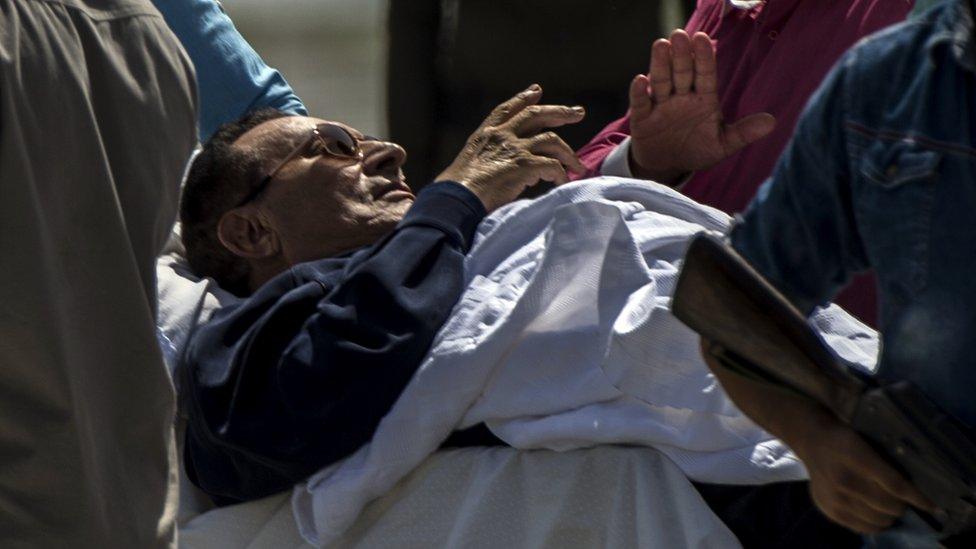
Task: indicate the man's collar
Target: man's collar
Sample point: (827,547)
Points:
(743,4)
(955,29)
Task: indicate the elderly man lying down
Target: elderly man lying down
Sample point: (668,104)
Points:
(373,323)
(349,275)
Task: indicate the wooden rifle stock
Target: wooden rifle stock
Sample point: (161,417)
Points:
(755,331)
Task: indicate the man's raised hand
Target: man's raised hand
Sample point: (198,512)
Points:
(676,122)
(514,149)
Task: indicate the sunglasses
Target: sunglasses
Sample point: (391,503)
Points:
(327,138)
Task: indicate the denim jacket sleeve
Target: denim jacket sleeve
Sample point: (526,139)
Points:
(800,231)
(231,77)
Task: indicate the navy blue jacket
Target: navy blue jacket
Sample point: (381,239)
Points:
(299,375)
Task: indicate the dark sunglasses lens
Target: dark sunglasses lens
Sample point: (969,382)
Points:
(338,141)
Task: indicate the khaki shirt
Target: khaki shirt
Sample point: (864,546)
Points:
(97,119)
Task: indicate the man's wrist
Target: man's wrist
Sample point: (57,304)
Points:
(617,163)
(462,179)
(667,177)
(794,419)
(449,206)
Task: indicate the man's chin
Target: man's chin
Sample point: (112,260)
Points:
(399,207)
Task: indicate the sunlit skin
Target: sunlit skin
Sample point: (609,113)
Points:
(317,205)
(676,121)
(320,204)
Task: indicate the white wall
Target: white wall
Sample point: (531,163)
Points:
(331,51)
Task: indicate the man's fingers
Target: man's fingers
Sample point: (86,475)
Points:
(660,72)
(848,511)
(748,130)
(876,498)
(880,481)
(870,518)
(640,102)
(504,112)
(682,62)
(551,145)
(535,118)
(875,520)
(858,525)
(898,486)
(542,168)
(874,505)
(706,75)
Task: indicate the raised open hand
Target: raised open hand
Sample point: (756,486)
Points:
(676,123)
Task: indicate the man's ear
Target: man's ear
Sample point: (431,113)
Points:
(248,234)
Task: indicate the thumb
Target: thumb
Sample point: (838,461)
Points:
(748,130)
(640,101)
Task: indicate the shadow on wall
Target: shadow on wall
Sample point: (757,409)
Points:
(451,61)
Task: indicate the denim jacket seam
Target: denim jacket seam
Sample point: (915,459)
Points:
(894,135)
(848,102)
(916,278)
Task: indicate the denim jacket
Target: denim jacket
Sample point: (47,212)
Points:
(881,174)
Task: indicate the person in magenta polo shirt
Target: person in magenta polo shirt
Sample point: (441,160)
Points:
(771,56)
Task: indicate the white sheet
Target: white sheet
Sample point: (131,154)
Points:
(563,340)
(185,300)
(600,497)
(608,497)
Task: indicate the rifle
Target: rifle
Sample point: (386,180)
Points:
(756,332)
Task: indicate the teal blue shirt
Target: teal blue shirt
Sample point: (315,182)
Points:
(232,79)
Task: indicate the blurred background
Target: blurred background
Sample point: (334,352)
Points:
(426,72)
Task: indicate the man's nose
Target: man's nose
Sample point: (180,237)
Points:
(382,157)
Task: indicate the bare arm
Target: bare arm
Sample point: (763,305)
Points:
(850,482)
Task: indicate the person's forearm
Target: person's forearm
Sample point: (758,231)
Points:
(787,416)
(232,79)
(851,483)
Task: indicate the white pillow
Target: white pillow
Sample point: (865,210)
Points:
(185,300)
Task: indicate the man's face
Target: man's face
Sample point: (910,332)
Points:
(319,204)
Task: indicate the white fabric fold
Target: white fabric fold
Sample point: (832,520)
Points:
(185,300)
(563,340)
(617,163)
(608,497)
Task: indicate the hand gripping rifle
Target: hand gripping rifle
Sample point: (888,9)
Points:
(755,332)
